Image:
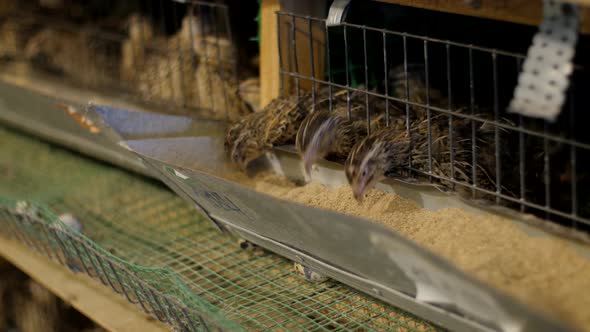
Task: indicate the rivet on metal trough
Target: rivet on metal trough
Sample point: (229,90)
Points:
(308,273)
(377,292)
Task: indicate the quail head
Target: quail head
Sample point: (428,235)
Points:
(374,156)
(333,133)
(243,140)
(333,128)
(248,138)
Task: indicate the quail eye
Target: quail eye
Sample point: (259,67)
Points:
(364,174)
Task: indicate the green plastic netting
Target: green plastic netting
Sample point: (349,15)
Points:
(150,246)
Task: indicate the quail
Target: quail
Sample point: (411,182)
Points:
(217,89)
(135,47)
(275,124)
(249,91)
(333,133)
(80,54)
(244,139)
(161,68)
(373,156)
(429,150)
(14,34)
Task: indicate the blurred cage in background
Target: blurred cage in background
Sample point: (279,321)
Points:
(448,88)
(172,53)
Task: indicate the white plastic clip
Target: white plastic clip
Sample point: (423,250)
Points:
(544,80)
(337,12)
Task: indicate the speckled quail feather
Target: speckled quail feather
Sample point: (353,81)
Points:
(280,123)
(249,138)
(218,94)
(168,78)
(276,124)
(284,121)
(216,85)
(333,133)
(375,156)
(324,111)
(186,69)
(249,91)
(14,34)
(248,144)
(418,90)
(139,41)
(81,55)
(160,68)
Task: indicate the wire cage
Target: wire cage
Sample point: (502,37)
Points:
(445,88)
(448,88)
(175,54)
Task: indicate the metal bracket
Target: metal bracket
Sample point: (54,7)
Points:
(337,12)
(543,82)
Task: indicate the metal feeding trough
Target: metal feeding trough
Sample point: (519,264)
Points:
(183,153)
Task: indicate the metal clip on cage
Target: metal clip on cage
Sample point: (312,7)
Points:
(337,12)
(542,85)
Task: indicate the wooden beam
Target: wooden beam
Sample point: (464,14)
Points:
(269,54)
(517,11)
(308,60)
(302,51)
(310,39)
(97,302)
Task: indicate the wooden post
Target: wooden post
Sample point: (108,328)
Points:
(270,79)
(89,297)
(302,51)
(269,54)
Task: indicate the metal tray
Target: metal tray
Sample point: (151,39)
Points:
(352,250)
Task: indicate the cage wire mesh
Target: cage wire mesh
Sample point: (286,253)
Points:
(169,53)
(148,245)
(450,96)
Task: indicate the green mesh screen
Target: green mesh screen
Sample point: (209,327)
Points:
(150,246)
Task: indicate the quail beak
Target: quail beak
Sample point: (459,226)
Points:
(361,186)
(308,161)
(314,152)
(236,160)
(242,167)
(358,192)
(243,164)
